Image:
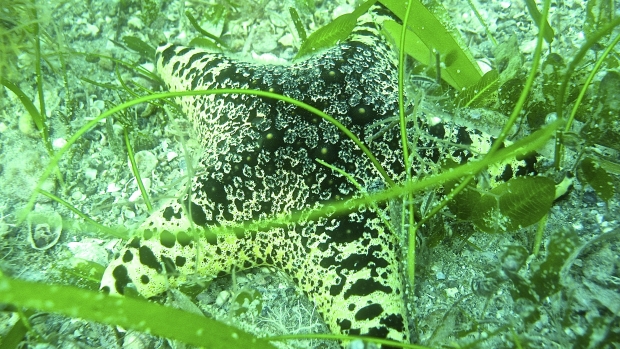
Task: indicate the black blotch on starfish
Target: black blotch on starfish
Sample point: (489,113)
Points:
(122,278)
(169,265)
(180,261)
(148,259)
(365,287)
(169,212)
(344,324)
(167,239)
(199,217)
(134,243)
(394,321)
(167,54)
(184,239)
(369,312)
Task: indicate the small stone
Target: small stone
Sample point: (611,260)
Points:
(90,173)
(484,66)
(134,196)
(451,292)
(24,60)
(342,10)
(146,162)
(58,143)
(148,66)
(90,30)
(146,182)
(171,156)
(89,249)
(357,344)
(129,214)
(77,196)
(26,125)
(268,58)
(94,112)
(136,340)
(99,104)
(112,188)
(222,297)
(529,46)
(106,64)
(286,40)
(135,22)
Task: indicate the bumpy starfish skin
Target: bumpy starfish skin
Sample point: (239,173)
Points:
(259,162)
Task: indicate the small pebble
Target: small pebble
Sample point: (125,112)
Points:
(135,22)
(77,195)
(341,10)
(451,292)
(90,173)
(94,112)
(146,162)
(89,30)
(112,188)
(357,344)
(135,195)
(287,40)
(171,156)
(58,143)
(99,104)
(129,214)
(222,297)
(26,125)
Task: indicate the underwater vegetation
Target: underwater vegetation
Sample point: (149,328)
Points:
(502,191)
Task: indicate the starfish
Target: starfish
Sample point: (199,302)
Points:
(259,161)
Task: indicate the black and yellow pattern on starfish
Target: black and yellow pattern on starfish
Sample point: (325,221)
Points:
(259,161)
(263,158)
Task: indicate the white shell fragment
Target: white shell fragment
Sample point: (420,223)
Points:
(44,229)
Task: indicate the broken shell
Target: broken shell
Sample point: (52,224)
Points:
(44,229)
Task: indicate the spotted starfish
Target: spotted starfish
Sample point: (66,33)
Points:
(259,161)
